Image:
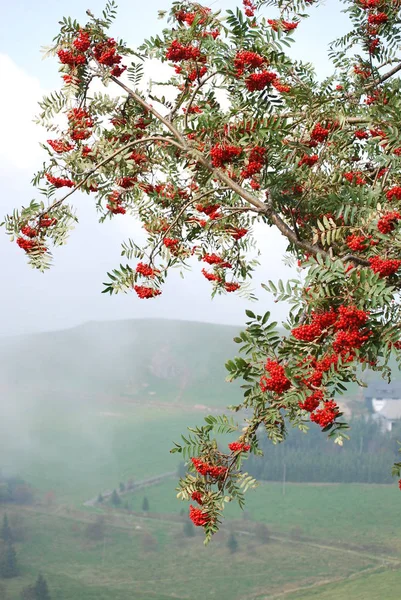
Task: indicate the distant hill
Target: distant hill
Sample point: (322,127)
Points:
(174,361)
(161,360)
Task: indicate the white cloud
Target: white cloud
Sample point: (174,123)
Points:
(20,135)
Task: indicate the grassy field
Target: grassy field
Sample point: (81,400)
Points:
(366,515)
(150,559)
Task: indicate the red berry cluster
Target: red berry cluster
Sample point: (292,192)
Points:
(388,222)
(384,267)
(211,210)
(378,18)
(283,25)
(255,162)
(357,243)
(71,58)
(60,146)
(145,270)
(239,447)
(224,153)
(326,415)
(127,182)
(320,322)
(355,177)
(114,204)
(205,469)
(106,54)
(361,135)
(238,233)
(197,496)
(308,160)
(214,259)
(258,81)
(210,276)
(277,382)
(245,59)
(232,287)
(59,182)
(82,42)
(178,52)
(394,193)
(319,133)
(366,4)
(312,402)
(145,292)
(249,8)
(198,516)
(171,242)
(80,123)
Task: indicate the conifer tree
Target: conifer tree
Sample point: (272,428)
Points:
(232,543)
(8,562)
(145,504)
(115,498)
(41,590)
(5,532)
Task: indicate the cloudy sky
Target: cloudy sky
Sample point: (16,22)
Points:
(69,293)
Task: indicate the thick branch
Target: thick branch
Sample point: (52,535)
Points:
(152,110)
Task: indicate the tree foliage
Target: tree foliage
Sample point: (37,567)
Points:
(245,135)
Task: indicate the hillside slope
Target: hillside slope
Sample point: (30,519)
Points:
(166,360)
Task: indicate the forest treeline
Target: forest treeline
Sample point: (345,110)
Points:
(365,458)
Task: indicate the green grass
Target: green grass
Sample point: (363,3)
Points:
(126,567)
(375,586)
(366,515)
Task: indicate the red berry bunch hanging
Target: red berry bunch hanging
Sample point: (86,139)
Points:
(145,270)
(384,267)
(259,81)
(308,160)
(145,292)
(388,222)
(80,123)
(245,59)
(231,287)
(197,496)
(71,58)
(59,182)
(277,382)
(239,447)
(177,52)
(224,153)
(82,42)
(210,276)
(378,18)
(394,193)
(326,415)
(320,133)
(281,24)
(114,204)
(355,177)
(60,146)
(214,471)
(312,402)
(357,243)
(255,162)
(238,233)
(199,517)
(249,8)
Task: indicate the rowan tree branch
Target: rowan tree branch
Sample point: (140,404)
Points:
(104,162)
